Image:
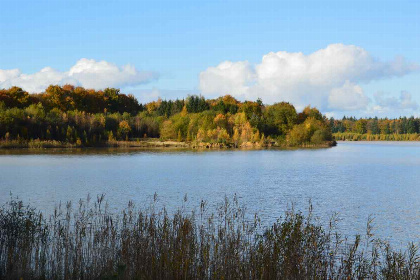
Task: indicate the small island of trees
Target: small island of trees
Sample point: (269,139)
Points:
(79,117)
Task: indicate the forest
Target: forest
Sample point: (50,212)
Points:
(82,117)
(375,129)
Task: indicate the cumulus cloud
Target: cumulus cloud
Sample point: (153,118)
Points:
(303,79)
(148,95)
(349,97)
(385,102)
(36,82)
(8,74)
(227,77)
(86,72)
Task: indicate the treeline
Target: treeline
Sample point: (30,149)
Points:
(402,125)
(376,137)
(375,129)
(86,117)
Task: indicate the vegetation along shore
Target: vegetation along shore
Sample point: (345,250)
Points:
(75,117)
(85,241)
(375,129)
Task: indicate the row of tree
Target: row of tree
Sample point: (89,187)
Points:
(69,98)
(402,125)
(88,117)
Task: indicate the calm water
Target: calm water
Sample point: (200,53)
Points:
(354,179)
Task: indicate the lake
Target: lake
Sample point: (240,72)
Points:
(354,179)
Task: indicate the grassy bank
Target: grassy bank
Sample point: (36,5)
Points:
(34,144)
(84,241)
(348,136)
(156,143)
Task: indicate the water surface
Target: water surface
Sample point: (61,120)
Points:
(355,179)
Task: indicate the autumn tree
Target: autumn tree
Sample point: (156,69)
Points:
(124,130)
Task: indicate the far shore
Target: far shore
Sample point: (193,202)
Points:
(159,144)
(156,144)
(350,136)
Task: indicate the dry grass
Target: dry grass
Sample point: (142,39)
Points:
(85,241)
(34,144)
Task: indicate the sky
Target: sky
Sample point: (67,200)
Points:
(359,58)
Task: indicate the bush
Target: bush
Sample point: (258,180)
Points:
(319,136)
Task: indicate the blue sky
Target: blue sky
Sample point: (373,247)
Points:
(178,40)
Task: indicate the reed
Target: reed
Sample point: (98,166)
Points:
(86,241)
(34,144)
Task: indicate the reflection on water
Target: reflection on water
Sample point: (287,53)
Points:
(355,179)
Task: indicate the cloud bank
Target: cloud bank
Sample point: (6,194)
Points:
(86,72)
(385,103)
(349,97)
(328,78)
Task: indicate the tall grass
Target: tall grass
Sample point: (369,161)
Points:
(34,144)
(85,241)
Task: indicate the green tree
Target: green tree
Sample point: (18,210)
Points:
(360,126)
(279,118)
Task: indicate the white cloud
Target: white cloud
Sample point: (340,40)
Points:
(36,82)
(8,74)
(303,79)
(86,72)
(404,102)
(93,74)
(227,77)
(148,95)
(349,97)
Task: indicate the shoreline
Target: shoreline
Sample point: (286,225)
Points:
(156,144)
(347,136)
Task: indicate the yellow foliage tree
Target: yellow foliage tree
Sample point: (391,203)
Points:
(179,139)
(236,136)
(256,136)
(246,134)
(167,130)
(201,135)
(124,129)
(223,136)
